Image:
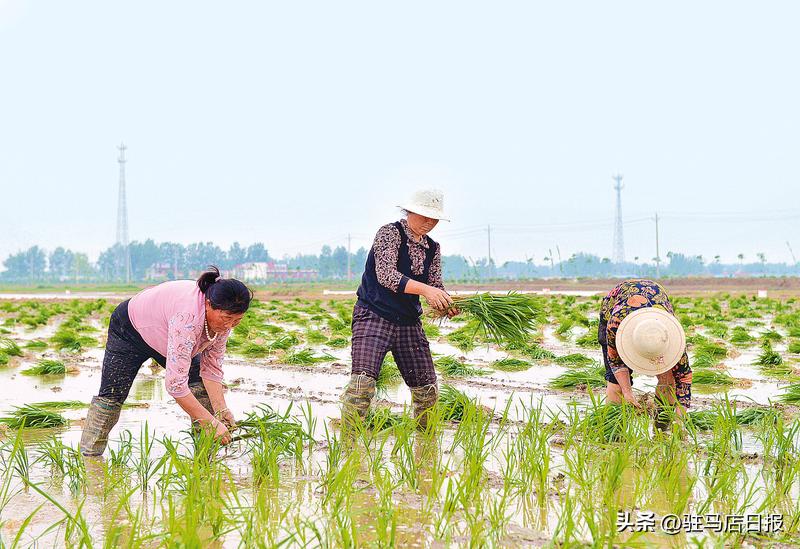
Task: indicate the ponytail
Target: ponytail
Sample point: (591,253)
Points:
(227,294)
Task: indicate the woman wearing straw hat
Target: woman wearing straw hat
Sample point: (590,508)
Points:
(638,332)
(403,264)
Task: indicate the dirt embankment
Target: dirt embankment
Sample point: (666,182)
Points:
(689,286)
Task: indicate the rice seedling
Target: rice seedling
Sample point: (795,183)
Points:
(464,337)
(255,350)
(703,420)
(432,331)
(711,378)
(770,363)
(4,358)
(306,356)
(574,359)
(36,345)
(756,414)
(450,366)
(580,378)
(511,365)
(9,347)
(794,347)
(32,417)
(380,418)
(610,422)
(501,318)
(46,368)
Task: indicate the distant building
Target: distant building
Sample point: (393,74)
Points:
(159,271)
(263,271)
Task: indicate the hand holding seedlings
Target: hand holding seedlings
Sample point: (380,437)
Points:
(438,299)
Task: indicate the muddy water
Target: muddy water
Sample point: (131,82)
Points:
(257,382)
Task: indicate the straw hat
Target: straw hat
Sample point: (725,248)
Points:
(650,341)
(427,202)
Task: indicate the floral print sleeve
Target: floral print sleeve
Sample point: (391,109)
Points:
(211,359)
(180,343)
(435,271)
(387,248)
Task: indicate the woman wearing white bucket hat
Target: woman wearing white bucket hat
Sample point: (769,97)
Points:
(638,332)
(403,264)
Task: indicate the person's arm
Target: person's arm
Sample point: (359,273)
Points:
(683,384)
(212,375)
(180,343)
(387,248)
(620,371)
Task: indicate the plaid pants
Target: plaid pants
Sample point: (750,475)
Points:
(374,336)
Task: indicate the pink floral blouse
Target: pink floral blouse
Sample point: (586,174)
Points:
(170,318)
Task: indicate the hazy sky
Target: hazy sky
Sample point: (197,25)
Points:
(294,123)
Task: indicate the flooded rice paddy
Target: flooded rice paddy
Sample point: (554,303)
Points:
(520,453)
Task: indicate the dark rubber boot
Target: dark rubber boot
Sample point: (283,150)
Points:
(423,399)
(357,398)
(103,415)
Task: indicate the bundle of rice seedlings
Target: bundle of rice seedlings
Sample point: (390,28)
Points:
(315,336)
(794,347)
(770,362)
(450,366)
(380,418)
(36,345)
(453,403)
(254,350)
(511,365)
(9,347)
(712,378)
(389,374)
(741,336)
(574,359)
(593,376)
(46,368)
(32,417)
(756,414)
(608,422)
(771,336)
(565,324)
(284,342)
(791,394)
(4,358)
(588,340)
(432,331)
(338,342)
(69,340)
(703,420)
(281,430)
(306,356)
(60,405)
(501,318)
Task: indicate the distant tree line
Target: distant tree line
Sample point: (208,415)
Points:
(158,261)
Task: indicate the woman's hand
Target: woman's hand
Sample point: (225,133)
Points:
(453,311)
(226,417)
(630,398)
(221,431)
(438,299)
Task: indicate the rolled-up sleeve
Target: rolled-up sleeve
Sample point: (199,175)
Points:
(387,248)
(180,344)
(211,359)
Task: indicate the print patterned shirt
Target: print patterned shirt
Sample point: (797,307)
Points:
(387,250)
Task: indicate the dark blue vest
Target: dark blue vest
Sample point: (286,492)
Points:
(399,308)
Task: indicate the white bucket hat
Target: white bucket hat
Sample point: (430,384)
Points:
(650,341)
(427,202)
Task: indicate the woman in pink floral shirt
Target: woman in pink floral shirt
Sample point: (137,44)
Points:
(183,325)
